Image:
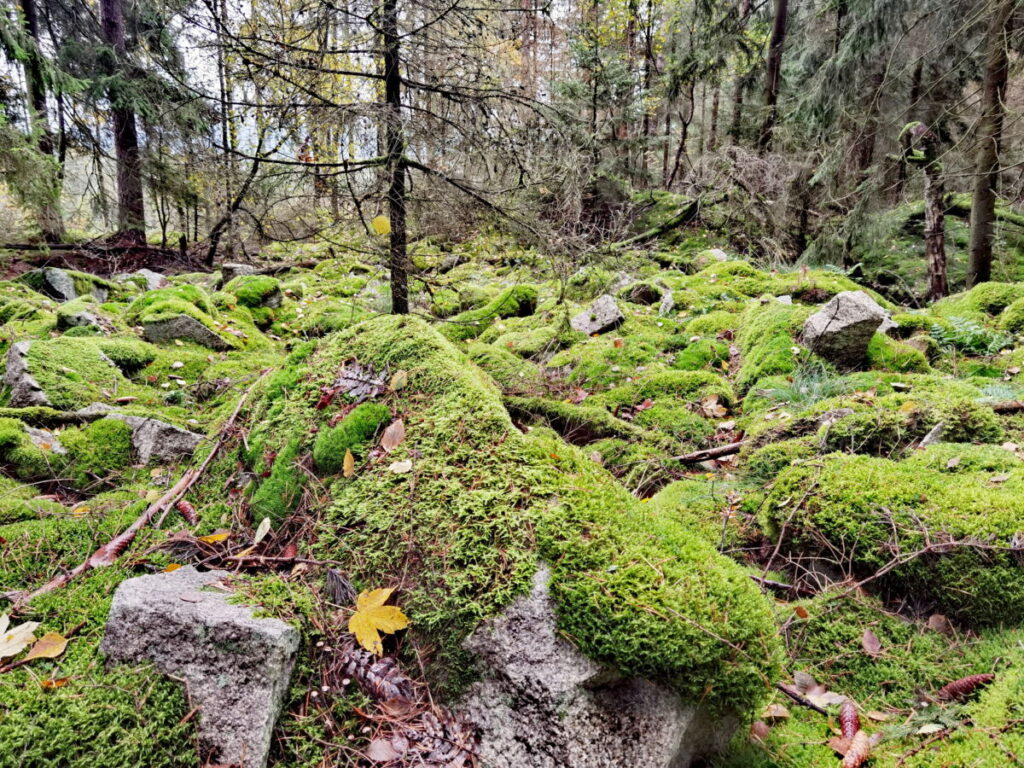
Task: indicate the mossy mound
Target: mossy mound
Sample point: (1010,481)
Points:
(945,536)
(255,290)
(517,301)
(490,502)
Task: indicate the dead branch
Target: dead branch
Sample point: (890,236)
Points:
(800,699)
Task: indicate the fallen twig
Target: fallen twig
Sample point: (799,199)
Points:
(799,698)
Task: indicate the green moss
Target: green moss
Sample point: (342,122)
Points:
(890,355)
(96,451)
(162,301)
(74,373)
(712,323)
(517,301)
(873,508)
(764,463)
(281,491)
(512,373)
(983,300)
(129,354)
(766,341)
(705,353)
(489,502)
(254,290)
(21,455)
(353,434)
(1012,318)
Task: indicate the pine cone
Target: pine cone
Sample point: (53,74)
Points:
(964,687)
(849,720)
(859,751)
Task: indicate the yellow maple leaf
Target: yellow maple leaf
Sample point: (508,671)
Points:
(372,617)
(381,225)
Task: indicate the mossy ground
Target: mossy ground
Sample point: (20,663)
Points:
(529,442)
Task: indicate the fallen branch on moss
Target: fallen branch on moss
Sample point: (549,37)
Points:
(800,699)
(1010,406)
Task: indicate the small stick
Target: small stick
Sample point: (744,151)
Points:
(799,698)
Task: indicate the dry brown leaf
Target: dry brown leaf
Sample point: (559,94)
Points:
(759,730)
(871,644)
(939,623)
(49,646)
(712,407)
(775,712)
(801,612)
(839,745)
(804,682)
(393,436)
(878,717)
(14,641)
(59,682)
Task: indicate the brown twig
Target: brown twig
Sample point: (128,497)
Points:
(800,699)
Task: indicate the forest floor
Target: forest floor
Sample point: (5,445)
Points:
(869,522)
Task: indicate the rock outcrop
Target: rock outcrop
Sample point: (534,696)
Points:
(842,329)
(183,327)
(543,704)
(236,667)
(604,315)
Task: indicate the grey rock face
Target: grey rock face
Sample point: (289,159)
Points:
(155,439)
(60,286)
(46,440)
(604,315)
(668,303)
(77,319)
(841,330)
(229,272)
(543,704)
(183,327)
(236,667)
(25,390)
(154,280)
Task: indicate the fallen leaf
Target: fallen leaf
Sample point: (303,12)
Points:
(618,343)
(712,407)
(775,712)
(804,682)
(14,641)
(401,467)
(878,717)
(801,612)
(171,568)
(380,750)
(372,617)
(939,623)
(759,730)
(399,380)
(49,646)
(60,682)
(871,644)
(953,463)
(839,745)
(348,466)
(213,538)
(261,531)
(393,436)
(924,730)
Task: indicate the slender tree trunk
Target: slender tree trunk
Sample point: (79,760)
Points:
(934,221)
(131,209)
(773,74)
(395,141)
(736,126)
(990,134)
(713,129)
(51,221)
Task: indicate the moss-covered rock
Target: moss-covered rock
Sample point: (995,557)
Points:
(517,301)
(950,538)
(491,501)
(353,434)
(255,290)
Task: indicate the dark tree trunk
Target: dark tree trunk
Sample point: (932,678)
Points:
(736,126)
(395,142)
(773,74)
(51,222)
(934,221)
(131,209)
(989,134)
(713,128)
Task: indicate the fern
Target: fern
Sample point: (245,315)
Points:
(970,337)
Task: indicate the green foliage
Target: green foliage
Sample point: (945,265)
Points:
(353,434)
(970,337)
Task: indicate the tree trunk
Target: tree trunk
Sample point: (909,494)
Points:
(713,128)
(736,126)
(395,142)
(131,209)
(773,74)
(934,222)
(51,221)
(990,134)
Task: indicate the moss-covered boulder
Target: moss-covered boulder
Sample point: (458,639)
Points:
(944,531)
(484,503)
(179,312)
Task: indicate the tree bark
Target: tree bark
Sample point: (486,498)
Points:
(713,128)
(773,74)
(934,222)
(396,168)
(51,221)
(989,134)
(131,209)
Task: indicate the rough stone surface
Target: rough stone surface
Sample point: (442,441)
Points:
(154,280)
(46,440)
(77,319)
(183,327)
(842,329)
(667,305)
(229,272)
(236,667)
(153,439)
(542,704)
(604,315)
(25,390)
(58,284)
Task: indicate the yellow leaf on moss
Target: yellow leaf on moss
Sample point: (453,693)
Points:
(381,225)
(213,538)
(372,617)
(49,646)
(348,467)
